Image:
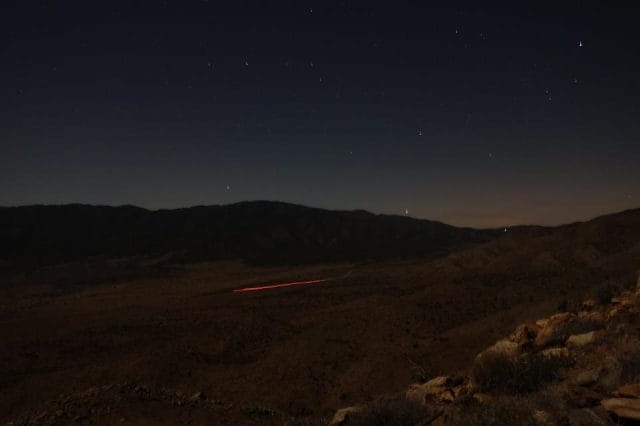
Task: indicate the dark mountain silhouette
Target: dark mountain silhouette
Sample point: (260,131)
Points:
(258,232)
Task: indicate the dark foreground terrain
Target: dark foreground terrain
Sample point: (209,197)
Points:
(144,340)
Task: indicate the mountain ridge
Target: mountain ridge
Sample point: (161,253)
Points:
(254,231)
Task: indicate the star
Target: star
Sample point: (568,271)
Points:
(580,43)
(228,187)
(420,132)
(406,212)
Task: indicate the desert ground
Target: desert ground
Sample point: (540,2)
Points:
(143,340)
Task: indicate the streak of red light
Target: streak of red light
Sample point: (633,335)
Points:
(266,287)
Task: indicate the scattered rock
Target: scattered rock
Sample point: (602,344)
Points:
(561,326)
(623,407)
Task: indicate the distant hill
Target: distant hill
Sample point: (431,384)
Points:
(259,232)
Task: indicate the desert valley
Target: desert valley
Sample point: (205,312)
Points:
(165,339)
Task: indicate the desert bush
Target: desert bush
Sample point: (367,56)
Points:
(396,411)
(501,374)
(499,412)
(563,306)
(628,354)
(605,293)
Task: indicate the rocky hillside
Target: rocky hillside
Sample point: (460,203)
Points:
(580,368)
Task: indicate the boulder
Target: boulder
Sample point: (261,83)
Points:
(561,326)
(589,305)
(632,391)
(627,408)
(578,340)
(343,414)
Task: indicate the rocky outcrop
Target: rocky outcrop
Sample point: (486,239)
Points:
(595,357)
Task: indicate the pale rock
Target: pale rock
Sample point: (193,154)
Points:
(578,340)
(623,407)
(561,326)
(342,415)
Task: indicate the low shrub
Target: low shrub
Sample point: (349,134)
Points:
(396,411)
(501,374)
(499,412)
(605,293)
(628,354)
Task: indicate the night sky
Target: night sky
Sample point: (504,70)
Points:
(473,113)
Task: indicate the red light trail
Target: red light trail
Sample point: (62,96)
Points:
(266,287)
